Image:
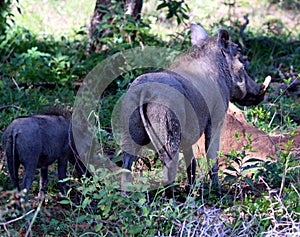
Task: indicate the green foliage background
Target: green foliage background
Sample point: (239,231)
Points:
(42,66)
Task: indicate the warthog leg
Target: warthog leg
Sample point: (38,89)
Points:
(169,172)
(43,182)
(212,140)
(128,160)
(79,166)
(62,174)
(190,163)
(29,170)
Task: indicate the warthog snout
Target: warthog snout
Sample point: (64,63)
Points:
(255,93)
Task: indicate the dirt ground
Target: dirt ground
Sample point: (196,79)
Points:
(266,146)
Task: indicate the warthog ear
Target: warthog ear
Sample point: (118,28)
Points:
(223,40)
(198,34)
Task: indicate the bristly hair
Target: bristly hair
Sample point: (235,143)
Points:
(197,51)
(56,110)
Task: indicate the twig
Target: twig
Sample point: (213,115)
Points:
(284,175)
(6,230)
(7,57)
(47,85)
(281,94)
(16,219)
(34,216)
(242,30)
(12,106)
(90,234)
(16,84)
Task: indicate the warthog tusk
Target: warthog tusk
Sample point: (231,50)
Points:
(265,85)
(267,82)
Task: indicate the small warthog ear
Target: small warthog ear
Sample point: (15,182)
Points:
(223,40)
(198,34)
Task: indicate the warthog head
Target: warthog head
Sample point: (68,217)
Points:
(243,89)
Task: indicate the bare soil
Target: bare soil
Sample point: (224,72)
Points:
(265,146)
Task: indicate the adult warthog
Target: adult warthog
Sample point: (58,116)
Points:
(36,142)
(170,110)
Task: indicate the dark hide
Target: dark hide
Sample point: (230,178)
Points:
(36,142)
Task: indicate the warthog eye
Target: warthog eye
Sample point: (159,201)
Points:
(243,59)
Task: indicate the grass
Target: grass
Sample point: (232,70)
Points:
(264,203)
(55,18)
(64,18)
(262,14)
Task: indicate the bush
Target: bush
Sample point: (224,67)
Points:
(259,198)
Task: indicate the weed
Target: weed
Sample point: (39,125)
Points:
(260,198)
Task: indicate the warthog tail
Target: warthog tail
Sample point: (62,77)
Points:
(14,160)
(154,137)
(9,146)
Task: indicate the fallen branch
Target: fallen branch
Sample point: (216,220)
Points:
(16,219)
(16,84)
(47,85)
(12,106)
(34,217)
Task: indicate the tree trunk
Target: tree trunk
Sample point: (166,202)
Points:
(103,7)
(3,17)
(1,4)
(134,8)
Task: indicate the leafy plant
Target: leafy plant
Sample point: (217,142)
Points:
(276,116)
(178,9)
(260,198)
(6,15)
(241,168)
(283,171)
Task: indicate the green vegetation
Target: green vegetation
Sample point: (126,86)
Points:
(42,67)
